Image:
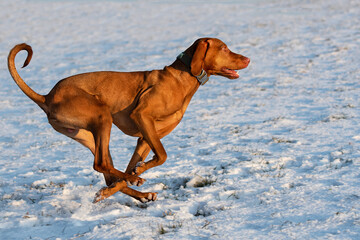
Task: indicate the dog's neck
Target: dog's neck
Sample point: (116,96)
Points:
(186,60)
(182,73)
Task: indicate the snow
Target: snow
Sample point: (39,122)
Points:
(272,155)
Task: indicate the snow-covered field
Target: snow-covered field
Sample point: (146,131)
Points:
(272,155)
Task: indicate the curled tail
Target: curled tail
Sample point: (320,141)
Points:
(37,98)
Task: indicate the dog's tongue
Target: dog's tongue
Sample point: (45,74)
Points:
(231,72)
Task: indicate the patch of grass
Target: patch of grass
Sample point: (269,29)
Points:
(206,224)
(169,228)
(202,211)
(161,230)
(175,225)
(45,186)
(204,182)
(235,195)
(280,140)
(336,117)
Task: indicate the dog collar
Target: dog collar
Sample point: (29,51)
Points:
(202,77)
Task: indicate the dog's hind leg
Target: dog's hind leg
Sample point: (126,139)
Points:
(83,118)
(86,138)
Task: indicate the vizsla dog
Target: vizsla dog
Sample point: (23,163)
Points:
(147,105)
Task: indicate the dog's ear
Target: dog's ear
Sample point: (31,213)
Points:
(197,62)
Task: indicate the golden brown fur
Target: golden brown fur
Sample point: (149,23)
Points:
(147,105)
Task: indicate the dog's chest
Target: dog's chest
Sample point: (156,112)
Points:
(165,125)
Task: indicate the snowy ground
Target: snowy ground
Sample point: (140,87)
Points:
(273,155)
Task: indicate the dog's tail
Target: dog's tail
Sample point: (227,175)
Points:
(37,98)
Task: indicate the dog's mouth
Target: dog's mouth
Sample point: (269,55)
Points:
(229,73)
(233,73)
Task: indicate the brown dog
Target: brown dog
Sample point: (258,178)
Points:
(147,105)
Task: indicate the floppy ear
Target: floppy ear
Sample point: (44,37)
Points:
(197,61)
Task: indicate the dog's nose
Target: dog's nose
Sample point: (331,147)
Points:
(246,60)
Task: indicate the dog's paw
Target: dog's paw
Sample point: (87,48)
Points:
(139,169)
(106,192)
(136,181)
(150,197)
(101,195)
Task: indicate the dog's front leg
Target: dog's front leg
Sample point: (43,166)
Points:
(146,125)
(141,152)
(103,163)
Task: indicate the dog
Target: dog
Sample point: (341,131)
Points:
(145,104)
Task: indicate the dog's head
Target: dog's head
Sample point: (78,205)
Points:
(213,56)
